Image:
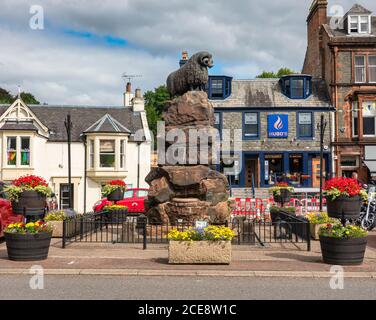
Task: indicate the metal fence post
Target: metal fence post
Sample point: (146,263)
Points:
(64,231)
(144,232)
(308,236)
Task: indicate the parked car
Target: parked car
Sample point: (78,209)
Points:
(134,199)
(6,213)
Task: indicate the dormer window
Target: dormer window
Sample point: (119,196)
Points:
(359,24)
(296,86)
(219,87)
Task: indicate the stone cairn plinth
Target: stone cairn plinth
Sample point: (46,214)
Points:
(193,191)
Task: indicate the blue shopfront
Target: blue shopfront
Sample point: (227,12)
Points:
(264,169)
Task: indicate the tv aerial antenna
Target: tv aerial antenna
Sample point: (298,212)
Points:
(129,77)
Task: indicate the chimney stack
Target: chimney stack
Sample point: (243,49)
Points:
(138,103)
(128,95)
(316,18)
(184,58)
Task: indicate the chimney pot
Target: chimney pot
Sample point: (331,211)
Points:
(138,93)
(128,87)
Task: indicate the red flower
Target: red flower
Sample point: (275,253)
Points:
(117,183)
(29,181)
(344,185)
(282,184)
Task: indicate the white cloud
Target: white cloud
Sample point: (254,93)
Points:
(245,38)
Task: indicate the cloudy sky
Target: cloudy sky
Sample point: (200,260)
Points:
(86,45)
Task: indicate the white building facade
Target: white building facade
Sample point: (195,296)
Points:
(107,143)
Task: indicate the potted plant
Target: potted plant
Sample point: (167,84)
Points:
(343,245)
(344,197)
(114,213)
(28,241)
(316,221)
(56,220)
(210,245)
(28,194)
(114,190)
(281,192)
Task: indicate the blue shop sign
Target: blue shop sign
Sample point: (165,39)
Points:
(278,126)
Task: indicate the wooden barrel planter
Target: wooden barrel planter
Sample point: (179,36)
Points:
(284,197)
(343,252)
(116,195)
(344,207)
(32,201)
(28,247)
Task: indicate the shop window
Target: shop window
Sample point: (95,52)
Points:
(274,164)
(296,168)
(250,125)
(305,125)
(107,153)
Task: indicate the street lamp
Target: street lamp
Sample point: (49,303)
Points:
(68,127)
(322,127)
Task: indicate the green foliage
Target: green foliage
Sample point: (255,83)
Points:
(274,209)
(28,98)
(58,215)
(211,233)
(280,73)
(7,98)
(154,105)
(342,232)
(13,192)
(319,218)
(109,188)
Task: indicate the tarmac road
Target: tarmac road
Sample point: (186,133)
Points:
(170,288)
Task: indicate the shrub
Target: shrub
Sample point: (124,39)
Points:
(58,215)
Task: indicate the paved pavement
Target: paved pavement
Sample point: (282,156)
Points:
(248,261)
(162,288)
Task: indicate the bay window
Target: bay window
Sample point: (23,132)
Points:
(368,121)
(107,153)
(18,151)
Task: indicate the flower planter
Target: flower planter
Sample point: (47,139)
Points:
(343,252)
(116,195)
(284,197)
(314,228)
(28,247)
(344,207)
(199,252)
(57,228)
(32,201)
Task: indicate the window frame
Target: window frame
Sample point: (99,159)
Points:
(312,136)
(359,24)
(226,87)
(248,137)
(371,66)
(22,150)
(100,153)
(8,149)
(122,153)
(18,150)
(364,67)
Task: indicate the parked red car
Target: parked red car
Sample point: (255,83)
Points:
(134,199)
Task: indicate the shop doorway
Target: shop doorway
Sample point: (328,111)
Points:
(316,172)
(251,172)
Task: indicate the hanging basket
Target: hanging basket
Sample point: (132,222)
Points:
(284,197)
(116,195)
(344,207)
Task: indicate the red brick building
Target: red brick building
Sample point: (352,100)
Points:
(342,51)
